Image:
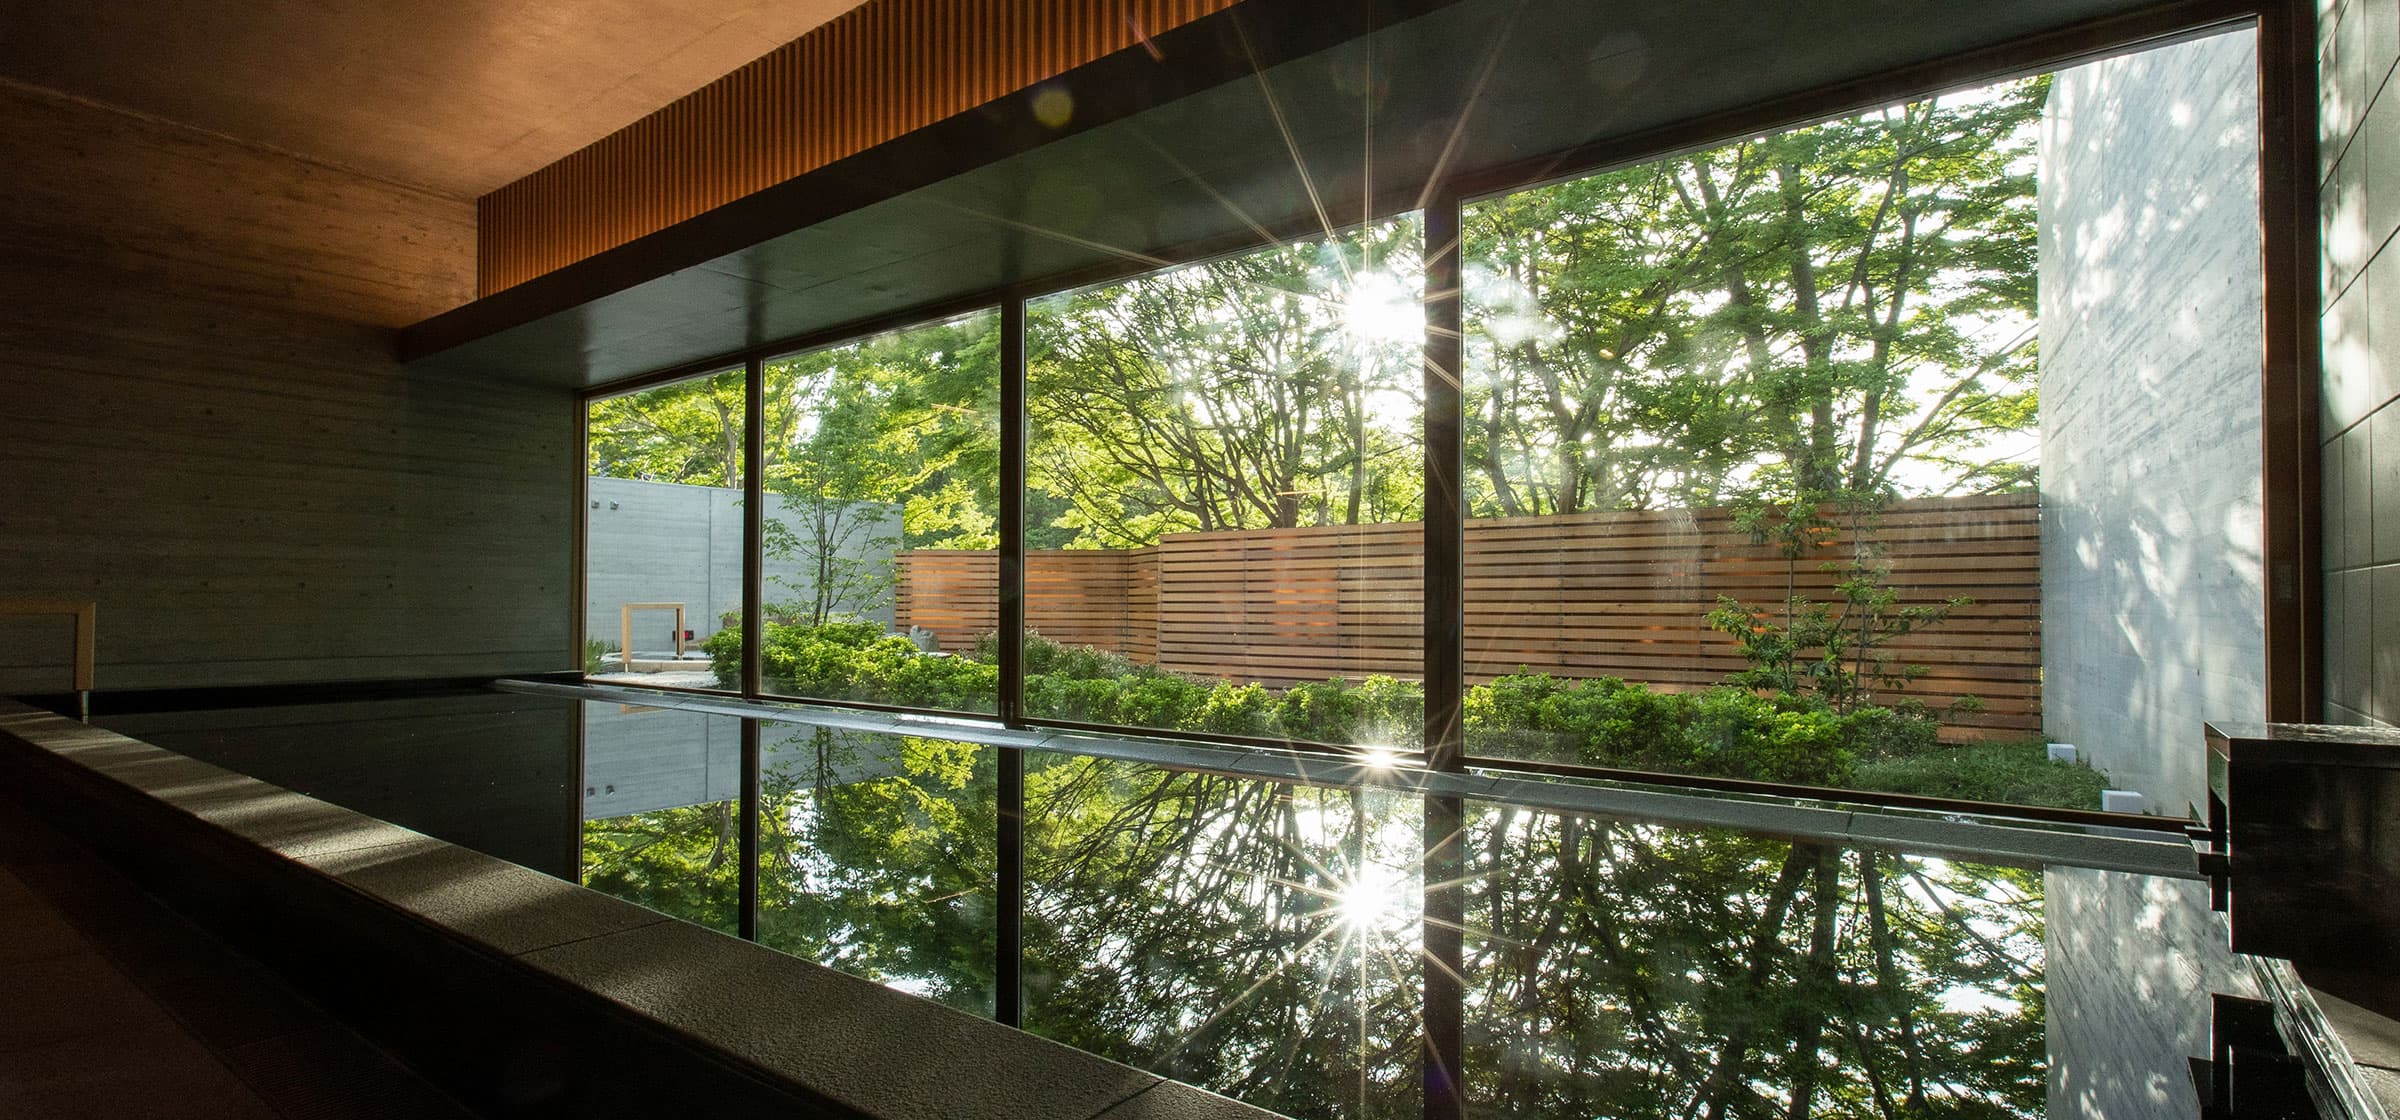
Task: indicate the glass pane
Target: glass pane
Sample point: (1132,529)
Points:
(878,855)
(1255,938)
(663,530)
(1224,474)
(1781,455)
(882,478)
(1627,969)
(662,810)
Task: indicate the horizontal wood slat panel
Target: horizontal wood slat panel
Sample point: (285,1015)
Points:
(1584,595)
(883,69)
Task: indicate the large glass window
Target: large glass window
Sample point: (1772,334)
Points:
(1913,451)
(1781,455)
(1224,472)
(881,525)
(663,530)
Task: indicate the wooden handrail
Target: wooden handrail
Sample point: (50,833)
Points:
(86,614)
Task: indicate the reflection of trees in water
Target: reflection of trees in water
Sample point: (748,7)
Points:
(1263,938)
(683,861)
(1253,937)
(1630,970)
(878,856)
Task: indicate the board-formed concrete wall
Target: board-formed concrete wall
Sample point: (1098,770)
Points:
(207,433)
(2151,348)
(663,542)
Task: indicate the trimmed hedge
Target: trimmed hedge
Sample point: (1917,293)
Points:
(1722,732)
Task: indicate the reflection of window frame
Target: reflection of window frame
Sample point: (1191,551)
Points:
(2286,137)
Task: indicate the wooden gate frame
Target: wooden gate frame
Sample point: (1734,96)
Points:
(625,629)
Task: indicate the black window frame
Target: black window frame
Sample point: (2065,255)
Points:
(2287,76)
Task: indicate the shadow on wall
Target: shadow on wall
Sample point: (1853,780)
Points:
(2151,349)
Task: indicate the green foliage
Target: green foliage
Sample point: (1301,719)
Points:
(1878,734)
(1237,709)
(875,445)
(1267,390)
(856,661)
(1727,732)
(724,650)
(1320,711)
(595,655)
(1738,734)
(1079,699)
(1851,302)
(1044,657)
(926,680)
(1161,700)
(1721,732)
(2015,773)
(1835,651)
(689,432)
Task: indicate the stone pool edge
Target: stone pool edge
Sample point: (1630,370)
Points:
(519,991)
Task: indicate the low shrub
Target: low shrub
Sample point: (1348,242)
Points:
(1726,731)
(1721,732)
(596,653)
(1238,709)
(2017,773)
(1159,700)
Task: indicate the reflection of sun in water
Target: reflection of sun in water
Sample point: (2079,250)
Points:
(1370,899)
(1346,905)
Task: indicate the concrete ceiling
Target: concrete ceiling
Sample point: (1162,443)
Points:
(455,96)
(1200,153)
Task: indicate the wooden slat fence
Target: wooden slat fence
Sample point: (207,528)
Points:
(1620,594)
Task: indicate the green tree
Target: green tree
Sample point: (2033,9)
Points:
(1269,390)
(1836,650)
(1853,301)
(889,442)
(688,432)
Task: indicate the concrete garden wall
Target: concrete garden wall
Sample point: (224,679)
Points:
(2151,349)
(661,542)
